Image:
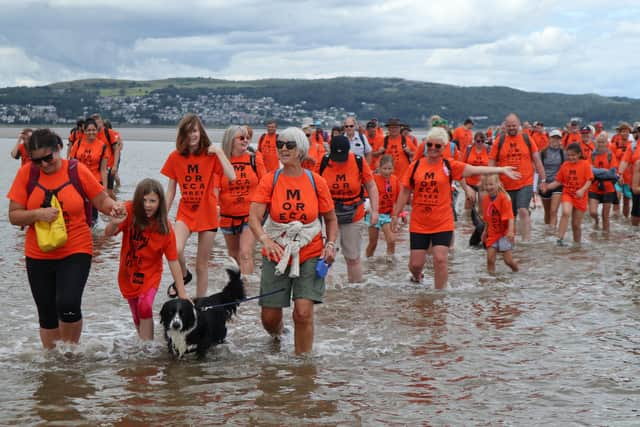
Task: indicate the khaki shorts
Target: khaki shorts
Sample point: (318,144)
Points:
(351,239)
(308,285)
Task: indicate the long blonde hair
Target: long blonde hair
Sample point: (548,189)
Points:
(496,179)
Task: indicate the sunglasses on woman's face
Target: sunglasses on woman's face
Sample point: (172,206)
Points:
(241,138)
(289,144)
(432,145)
(48,158)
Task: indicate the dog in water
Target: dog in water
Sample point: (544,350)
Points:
(195,327)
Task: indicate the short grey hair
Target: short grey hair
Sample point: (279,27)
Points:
(297,135)
(438,134)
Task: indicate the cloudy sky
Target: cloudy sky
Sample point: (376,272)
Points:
(539,45)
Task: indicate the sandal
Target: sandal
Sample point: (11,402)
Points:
(172,291)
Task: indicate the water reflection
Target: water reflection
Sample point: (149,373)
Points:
(59,396)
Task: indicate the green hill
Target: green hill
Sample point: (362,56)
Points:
(412,101)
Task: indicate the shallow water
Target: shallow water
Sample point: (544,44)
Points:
(557,343)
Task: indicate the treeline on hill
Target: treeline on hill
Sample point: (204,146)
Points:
(411,101)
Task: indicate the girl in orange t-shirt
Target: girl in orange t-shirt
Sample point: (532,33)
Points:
(499,233)
(193,165)
(476,154)
(602,192)
(234,196)
(575,176)
(388,188)
(146,236)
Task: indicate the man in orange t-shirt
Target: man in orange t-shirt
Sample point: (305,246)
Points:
(346,181)
(376,140)
(539,135)
(514,151)
(464,135)
(19,151)
(572,134)
(112,140)
(392,145)
(267,146)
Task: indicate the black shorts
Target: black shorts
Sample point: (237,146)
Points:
(425,241)
(548,194)
(57,286)
(604,198)
(635,207)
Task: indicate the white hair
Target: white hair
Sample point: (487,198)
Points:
(438,134)
(297,135)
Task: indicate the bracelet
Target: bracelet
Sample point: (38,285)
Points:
(262,237)
(330,244)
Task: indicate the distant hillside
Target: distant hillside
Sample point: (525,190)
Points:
(412,101)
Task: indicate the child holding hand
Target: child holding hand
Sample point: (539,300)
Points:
(499,232)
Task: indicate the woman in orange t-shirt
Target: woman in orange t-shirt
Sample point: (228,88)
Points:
(316,150)
(57,278)
(476,154)
(291,239)
(93,152)
(193,166)
(234,196)
(499,233)
(146,236)
(575,176)
(431,224)
(19,151)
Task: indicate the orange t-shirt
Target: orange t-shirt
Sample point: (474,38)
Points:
(464,137)
(75,136)
(587,149)
(195,177)
(235,196)
(400,159)
(295,199)
(377,142)
(601,160)
(431,210)
(113,137)
(573,176)
(570,138)
(497,214)
(475,158)
(618,146)
(541,139)
(316,153)
(345,182)
(141,256)
(23,154)
(388,191)
(516,153)
(91,154)
(267,146)
(78,232)
(630,157)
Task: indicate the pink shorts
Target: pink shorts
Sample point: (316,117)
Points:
(142,305)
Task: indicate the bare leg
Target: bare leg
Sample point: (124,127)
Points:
(440,267)
(567,208)
(272,321)
(373,241)
(303,325)
(247,246)
(145,329)
(49,337)
(390,237)
(417,259)
(70,332)
(525,223)
(606,214)
(354,270)
(546,204)
(555,204)
(593,212)
(182,234)
(233,246)
(205,243)
(491,260)
(576,224)
(508,259)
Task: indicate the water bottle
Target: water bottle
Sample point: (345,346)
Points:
(322,268)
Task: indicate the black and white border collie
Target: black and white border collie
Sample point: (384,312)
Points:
(195,327)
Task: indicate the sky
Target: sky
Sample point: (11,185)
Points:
(543,46)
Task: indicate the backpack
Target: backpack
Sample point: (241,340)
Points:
(501,143)
(415,166)
(262,137)
(74,179)
(593,157)
(403,142)
(104,148)
(543,155)
(325,162)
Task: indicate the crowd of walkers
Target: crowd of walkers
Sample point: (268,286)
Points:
(299,196)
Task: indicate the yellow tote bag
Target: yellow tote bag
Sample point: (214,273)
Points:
(52,235)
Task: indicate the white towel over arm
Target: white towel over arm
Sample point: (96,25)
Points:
(292,236)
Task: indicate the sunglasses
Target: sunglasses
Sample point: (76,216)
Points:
(349,126)
(241,138)
(48,158)
(308,135)
(432,145)
(289,144)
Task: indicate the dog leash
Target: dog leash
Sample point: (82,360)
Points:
(240,301)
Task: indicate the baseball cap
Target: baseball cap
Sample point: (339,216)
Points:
(555,132)
(339,149)
(585,129)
